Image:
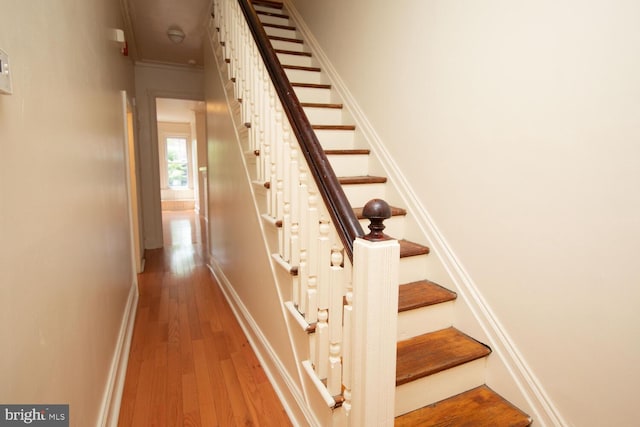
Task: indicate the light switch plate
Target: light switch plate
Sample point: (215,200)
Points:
(5,75)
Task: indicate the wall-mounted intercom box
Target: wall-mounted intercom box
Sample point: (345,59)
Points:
(5,75)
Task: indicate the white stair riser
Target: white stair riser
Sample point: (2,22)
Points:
(324,116)
(303,76)
(280,44)
(273,20)
(307,94)
(302,61)
(394,226)
(335,139)
(349,164)
(413,269)
(360,194)
(436,387)
(423,320)
(281,32)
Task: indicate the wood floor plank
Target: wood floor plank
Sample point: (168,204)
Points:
(191,409)
(241,416)
(174,406)
(142,405)
(208,415)
(190,364)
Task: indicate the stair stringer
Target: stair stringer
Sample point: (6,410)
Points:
(293,389)
(507,371)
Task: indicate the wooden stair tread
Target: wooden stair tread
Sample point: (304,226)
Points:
(320,105)
(435,352)
(422,294)
(333,127)
(300,67)
(478,407)
(394,210)
(408,249)
(276,15)
(268,3)
(365,179)
(312,85)
(349,152)
(292,52)
(285,39)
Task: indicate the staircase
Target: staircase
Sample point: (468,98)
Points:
(440,370)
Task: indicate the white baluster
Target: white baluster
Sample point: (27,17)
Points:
(322,344)
(313,232)
(295,208)
(347,359)
(295,246)
(311,313)
(286,232)
(324,264)
(294,184)
(336,287)
(272,186)
(303,274)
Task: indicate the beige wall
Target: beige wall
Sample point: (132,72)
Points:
(518,126)
(65,254)
(153,81)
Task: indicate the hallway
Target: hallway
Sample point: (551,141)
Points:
(190,363)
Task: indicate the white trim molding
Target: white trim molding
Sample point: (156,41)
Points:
(110,410)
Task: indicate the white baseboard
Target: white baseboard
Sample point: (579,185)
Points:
(543,410)
(289,394)
(115,381)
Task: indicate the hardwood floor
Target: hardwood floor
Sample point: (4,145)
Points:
(190,363)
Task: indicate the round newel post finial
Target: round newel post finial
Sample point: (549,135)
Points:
(376,211)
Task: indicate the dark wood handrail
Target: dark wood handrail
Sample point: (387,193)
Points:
(336,201)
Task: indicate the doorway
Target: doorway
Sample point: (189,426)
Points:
(181,154)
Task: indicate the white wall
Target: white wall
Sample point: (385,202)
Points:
(158,81)
(65,254)
(518,126)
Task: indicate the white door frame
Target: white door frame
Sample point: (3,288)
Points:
(133,197)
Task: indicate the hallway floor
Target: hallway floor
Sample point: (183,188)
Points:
(190,363)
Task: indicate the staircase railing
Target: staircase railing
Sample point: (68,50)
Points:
(314,237)
(330,189)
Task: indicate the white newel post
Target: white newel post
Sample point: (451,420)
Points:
(375,310)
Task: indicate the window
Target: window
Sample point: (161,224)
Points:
(177,162)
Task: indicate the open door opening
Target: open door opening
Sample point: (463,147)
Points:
(181,154)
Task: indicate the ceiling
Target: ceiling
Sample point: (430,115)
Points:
(149,20)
